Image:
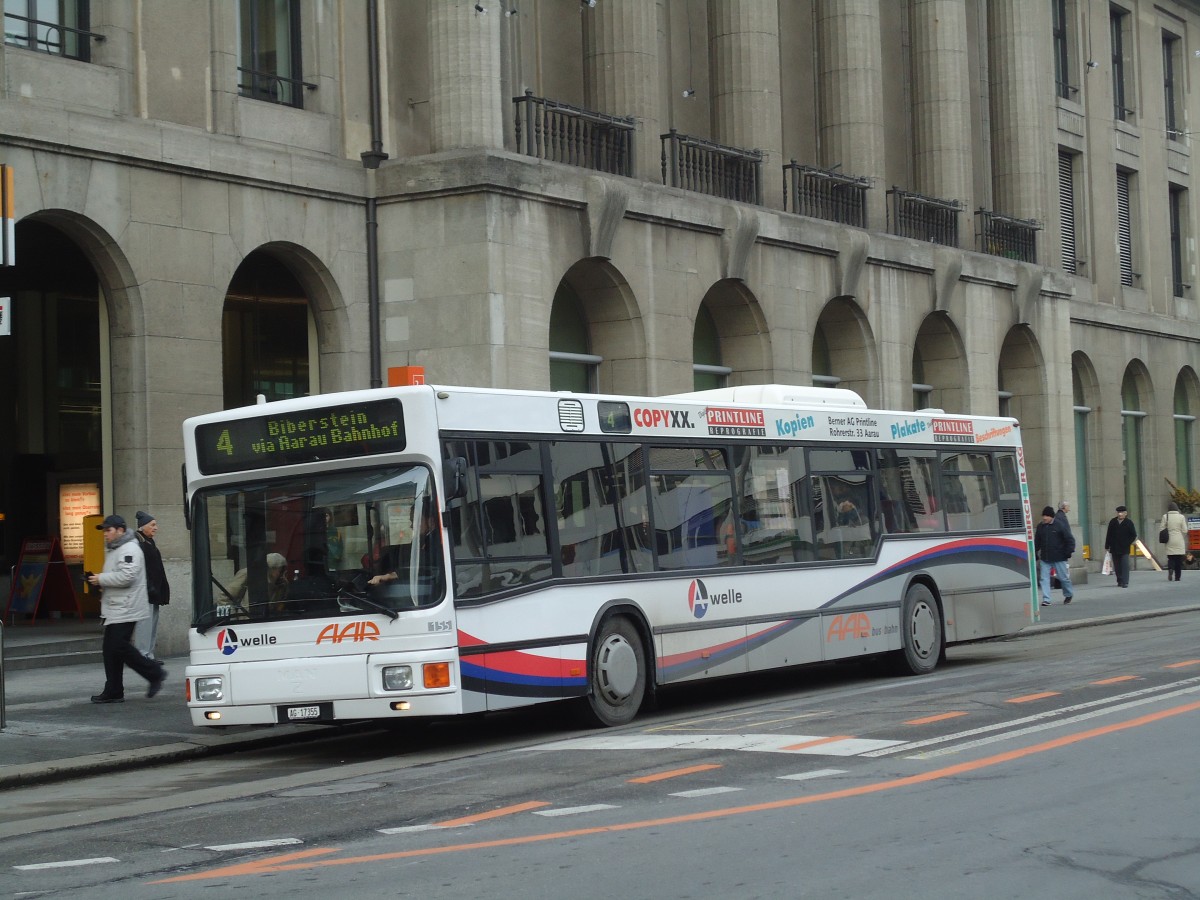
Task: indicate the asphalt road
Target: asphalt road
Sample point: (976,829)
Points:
(1055,765)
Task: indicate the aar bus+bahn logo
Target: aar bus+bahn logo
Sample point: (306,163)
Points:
(699,599)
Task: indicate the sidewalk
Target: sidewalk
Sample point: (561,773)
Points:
(53,731)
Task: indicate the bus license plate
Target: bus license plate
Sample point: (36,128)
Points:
(304,712)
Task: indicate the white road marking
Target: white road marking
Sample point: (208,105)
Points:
(755,743)
(573,810)
(1045,726)
(405,829)
(902,747)
(255,845)
(817,773)
(706,792)
(67,863)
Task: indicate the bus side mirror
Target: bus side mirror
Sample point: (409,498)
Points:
(187,511)
(454,474)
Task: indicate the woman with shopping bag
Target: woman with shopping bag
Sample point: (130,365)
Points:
(1174,528)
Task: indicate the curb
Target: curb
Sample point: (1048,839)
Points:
(1114,618)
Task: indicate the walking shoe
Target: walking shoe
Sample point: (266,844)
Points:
(1068,599)
(157,683)
(1045,603)
(105,698)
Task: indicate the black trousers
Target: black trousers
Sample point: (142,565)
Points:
(1174,566)
(119,652)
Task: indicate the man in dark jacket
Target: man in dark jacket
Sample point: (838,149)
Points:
(1118,541)
(1054,544)
(158,589)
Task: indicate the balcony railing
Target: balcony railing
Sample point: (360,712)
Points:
(272,87)
(923,218)
(1008,237)
(709,168)
(825,194)
(567,134)
(49,37)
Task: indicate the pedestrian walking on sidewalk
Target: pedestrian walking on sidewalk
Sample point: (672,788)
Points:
(1118,541)
(123,603)
(1175,524)
(158,589)
(1054,545)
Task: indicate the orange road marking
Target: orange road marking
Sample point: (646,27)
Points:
(1184,664)
(1117,679)
(493,814)
(1031,697)
(673,773)
(818,742)
(289,862)
(938,718)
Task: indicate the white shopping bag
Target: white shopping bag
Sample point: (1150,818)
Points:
(1107,567)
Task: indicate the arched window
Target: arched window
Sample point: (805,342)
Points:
(572,365)
(707,371)
(1131,438)
(1185,441)
(265,330)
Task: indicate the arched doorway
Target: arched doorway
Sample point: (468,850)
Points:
(1135,392)
(53,421)
(1022,395)
(595,338)
(1085,393)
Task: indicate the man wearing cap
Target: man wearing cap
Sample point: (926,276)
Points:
(1118,541)
(123,604)
(1054,545)
(158,589)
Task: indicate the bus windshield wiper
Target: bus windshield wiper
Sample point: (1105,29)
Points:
(366,601)
(202,626)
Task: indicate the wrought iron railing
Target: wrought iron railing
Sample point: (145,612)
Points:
(49,37)
(709,168)
(567,134)
(923,218)
(825,194)
(272,87)
(1005,236)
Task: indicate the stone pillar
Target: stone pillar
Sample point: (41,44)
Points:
(941,103)
(744,39)
(850,57)
(1018,67)
(465,91)
(621,65)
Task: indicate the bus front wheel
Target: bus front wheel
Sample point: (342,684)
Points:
(920,632)
(616,673)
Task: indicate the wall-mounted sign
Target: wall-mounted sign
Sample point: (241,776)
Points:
(74,502)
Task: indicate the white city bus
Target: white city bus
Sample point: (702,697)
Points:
(431,551)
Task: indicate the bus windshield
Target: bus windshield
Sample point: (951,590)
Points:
(317,545)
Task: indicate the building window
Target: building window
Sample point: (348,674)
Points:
(707,372)
(59,27)
(1131,441)
(1125,227)
(572,364)
(1066,212)
(1176,206)
(269,51)
(1172,65)
(1118,23)
(1062,56)
(1185,442)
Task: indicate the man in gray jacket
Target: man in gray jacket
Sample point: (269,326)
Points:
(123,603)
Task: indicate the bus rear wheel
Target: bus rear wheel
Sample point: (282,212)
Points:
(616,673)
(921,633)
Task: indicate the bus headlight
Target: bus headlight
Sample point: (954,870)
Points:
(210,689)
(397,678)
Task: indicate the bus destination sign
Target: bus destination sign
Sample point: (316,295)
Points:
(312,435)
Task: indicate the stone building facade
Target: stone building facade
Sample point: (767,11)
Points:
(978,205)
